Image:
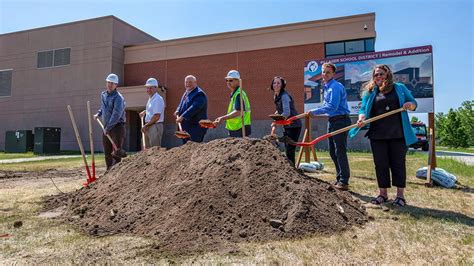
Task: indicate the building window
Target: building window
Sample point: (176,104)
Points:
(62,57)
(349,47)
(45,59)
(58,57)
(369,45)
(353,47)
(335,48)
(6,82)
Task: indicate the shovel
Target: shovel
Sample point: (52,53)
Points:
(143,135)
(90,178)
(330,134)
(117,153)
(282,121)
(206,123)
(181,133)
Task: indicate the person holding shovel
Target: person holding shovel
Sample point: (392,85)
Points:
(390,136)
(191,109)
(285,106)
(336,107)
(112,112)
(154,115)
(233,118)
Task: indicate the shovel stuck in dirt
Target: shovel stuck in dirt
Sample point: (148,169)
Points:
(90,177)
(117,153)
(206,123)
(181,133)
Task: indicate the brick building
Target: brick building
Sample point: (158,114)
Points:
(259,54)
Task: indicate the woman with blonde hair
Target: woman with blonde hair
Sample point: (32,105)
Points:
(390,136)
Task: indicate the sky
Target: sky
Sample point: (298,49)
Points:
(447,25)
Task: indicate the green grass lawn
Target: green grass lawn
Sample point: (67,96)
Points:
(52,164)
(30,154)
(6,156)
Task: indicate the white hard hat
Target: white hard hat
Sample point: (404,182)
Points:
(233,74)
(151,82)
(112,78)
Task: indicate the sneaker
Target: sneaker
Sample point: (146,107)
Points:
(341,186)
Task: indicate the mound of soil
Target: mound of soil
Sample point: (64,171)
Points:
(209,196)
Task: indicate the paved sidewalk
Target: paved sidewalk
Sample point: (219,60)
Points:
(467,158)
(39,158)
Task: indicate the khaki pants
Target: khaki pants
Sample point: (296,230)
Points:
(153,135)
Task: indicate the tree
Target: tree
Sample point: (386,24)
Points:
(452,132)
(440,125)
(414,119)
(456,129)
(466,116)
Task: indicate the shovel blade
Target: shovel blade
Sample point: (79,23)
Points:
(207,124)
(282,122)
(182,134)
(119,154)
(277,117)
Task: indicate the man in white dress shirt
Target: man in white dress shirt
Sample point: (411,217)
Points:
(154,115)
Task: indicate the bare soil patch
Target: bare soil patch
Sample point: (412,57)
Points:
(209,197)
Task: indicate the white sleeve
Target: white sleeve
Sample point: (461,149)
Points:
(157,106)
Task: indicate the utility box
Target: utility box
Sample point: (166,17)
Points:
(18,141)
(47,140)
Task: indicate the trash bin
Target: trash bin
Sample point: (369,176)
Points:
(19,141)
(47,140)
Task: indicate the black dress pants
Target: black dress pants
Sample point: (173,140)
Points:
(338,149)
(389,156)
(293,133)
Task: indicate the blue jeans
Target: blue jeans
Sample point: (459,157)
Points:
(338,149)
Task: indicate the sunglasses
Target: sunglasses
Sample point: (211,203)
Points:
(379,74)
(229,80)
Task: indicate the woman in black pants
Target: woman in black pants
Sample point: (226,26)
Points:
(390,136)
(285,106)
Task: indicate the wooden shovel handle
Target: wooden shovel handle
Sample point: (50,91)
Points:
(114,147)
(339,131)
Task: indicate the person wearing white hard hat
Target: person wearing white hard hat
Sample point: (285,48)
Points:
(154,115)
(112,112)
(191,109)
(233,118)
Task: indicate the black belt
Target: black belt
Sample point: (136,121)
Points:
(338,117)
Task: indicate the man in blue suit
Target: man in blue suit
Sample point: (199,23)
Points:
(192,109)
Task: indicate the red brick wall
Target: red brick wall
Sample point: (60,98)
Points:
(257,68)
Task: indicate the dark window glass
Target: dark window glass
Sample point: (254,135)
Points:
(45,59)
(369,45)
(62,57)
(355,47)
(336,48)
(6,82)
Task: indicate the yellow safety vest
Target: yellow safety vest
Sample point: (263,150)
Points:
(236,122)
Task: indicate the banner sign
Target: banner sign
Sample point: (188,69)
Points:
(410,66)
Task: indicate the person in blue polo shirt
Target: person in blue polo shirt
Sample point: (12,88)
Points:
(191,109)
(336,107)
(112,112)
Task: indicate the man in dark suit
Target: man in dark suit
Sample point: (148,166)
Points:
(192,109)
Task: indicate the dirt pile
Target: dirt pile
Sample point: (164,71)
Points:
(209,196)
